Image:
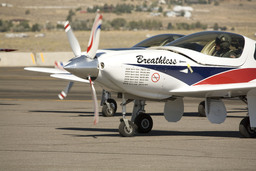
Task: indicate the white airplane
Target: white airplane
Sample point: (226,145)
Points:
(211,64)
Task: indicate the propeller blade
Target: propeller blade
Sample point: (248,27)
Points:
(59,65)
(96,112)
(64,93)
(72,40)
(93,43)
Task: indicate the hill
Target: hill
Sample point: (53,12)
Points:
(235,15)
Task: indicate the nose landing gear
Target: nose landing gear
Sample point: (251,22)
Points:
(140,122)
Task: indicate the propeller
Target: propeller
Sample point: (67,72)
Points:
(94,96)
(85,65)
(94,40)
(63,94)
(72,40)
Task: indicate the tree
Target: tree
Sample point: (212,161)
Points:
(5,26)
(118,23)
(27,12)
(216,26)
(170,26)
(49,26)
(22,27)
(70,15)
(160,9)
(36,27)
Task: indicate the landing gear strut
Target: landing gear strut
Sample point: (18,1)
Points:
(201,109)
(109,105)
(126,128)
(140,122)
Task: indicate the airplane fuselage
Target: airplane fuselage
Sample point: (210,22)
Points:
(155,73)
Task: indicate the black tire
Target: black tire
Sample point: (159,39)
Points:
(245,129)
(144,123)
(201,109)
(123,129)
(109,112)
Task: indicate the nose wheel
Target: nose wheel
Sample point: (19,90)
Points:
(127,128)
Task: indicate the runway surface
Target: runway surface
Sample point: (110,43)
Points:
(40,132)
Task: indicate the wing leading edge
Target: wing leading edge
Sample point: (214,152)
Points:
(46,70)
(57,73)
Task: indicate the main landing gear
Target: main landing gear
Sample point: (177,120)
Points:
(140,122)
(245,129)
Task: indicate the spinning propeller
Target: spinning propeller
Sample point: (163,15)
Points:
(84,64)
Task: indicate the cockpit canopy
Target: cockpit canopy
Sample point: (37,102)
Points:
(158,40)
(205,42)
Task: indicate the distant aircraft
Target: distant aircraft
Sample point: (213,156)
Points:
(7,50)
(191,66)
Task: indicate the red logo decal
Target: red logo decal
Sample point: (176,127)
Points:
(155,77)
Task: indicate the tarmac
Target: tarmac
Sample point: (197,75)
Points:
(40,132)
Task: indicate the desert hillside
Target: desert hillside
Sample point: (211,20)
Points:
(237,16)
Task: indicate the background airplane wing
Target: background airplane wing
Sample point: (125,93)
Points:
(221,90)
(46,70)
(70,77)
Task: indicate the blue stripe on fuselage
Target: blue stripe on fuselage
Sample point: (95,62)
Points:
(198,74)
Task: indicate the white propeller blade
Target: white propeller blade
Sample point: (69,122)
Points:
(72,40)
(64,93)
(96,112)
(93,43)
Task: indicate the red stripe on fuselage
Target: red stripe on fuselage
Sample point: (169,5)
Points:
(229,77)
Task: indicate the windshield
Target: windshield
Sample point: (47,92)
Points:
(214,43)
(158,40)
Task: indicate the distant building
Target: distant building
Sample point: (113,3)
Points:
(178,10)
(6,5)
(162,2)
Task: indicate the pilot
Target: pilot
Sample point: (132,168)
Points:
(222,46)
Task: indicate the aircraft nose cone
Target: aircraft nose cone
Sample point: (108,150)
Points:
(83,67)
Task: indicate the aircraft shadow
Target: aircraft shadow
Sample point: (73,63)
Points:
(81,113)
(91,114)
(114,133)
(7,104)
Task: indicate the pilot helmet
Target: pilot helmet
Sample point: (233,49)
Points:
(223,40)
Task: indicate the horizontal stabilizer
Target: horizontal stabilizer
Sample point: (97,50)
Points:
(70,77)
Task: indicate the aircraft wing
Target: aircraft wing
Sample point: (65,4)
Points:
(46,70)
(220,90)
(70,77)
